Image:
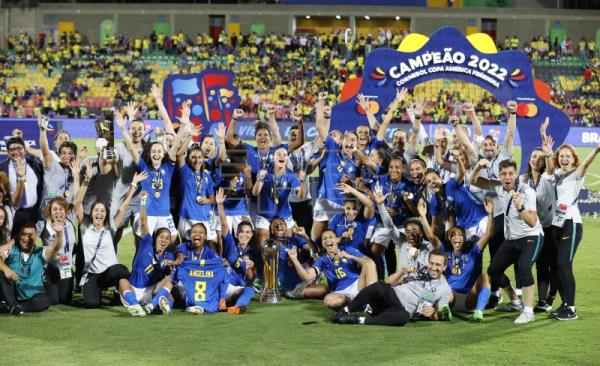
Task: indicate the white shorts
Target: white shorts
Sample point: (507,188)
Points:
(234,221)
(143,295)
(185,225)
(264,223)
(324,209)
(460,303)
(381,236)
(155,223)
(474,233)
(231,290)
(349,292)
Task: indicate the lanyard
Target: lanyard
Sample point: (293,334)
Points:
(97,246)
(66,230)
(199,180)
(559,179)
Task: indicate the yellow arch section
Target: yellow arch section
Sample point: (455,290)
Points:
(481,41)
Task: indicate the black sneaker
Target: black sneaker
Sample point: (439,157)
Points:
(566,314)
(348,319)
(542,307)
(555,312)
(338,314)
(17,310)
(4,308)
(492,302)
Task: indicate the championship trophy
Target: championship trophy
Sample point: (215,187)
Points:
(105,130)
(270,291)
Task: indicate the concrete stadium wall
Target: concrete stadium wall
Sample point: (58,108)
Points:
(138,20)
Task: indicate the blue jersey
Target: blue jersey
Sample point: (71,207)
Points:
(30,271)
(191,255)
(258,160)
(463,269)
(235,256)
(288,277)
(204,282)
(340,273)
(333,166)
(157,185)
(274,195)
(195,184)
(375,144)
(214,170)
(235,203)
(358,227)
(369,177)
(395,199)
(148,268)
(469,211)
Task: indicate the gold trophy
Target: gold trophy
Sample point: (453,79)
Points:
(105,129)
(270,291)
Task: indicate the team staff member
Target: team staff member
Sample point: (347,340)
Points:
(523,232)
(407,293)
(566,224)
(22,270)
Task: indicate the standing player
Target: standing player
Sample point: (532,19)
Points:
(347,271)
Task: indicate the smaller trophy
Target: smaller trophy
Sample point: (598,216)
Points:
(105,129)
(270,291)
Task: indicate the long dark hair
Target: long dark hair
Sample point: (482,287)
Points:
(106,222)
(146,152)
(528,172)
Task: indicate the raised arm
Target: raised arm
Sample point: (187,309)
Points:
(476,180)
(54,247)
(138,177)
(222,157)
(511,106)
(162,111)
(468,109)
(260,177)
(548,143)
(322,125)
(422,210)
(392,108)
(463,138)
(230,134)
(460,171)
(443,163)
(386,219)
(80,193)
(275,135)
(143,214)
(21,165)
(120,121)
(182,152)
(365,160)
(220,199)
(303,184)
(363,198)
(306,274)
(183,133)
(47,158)
(297,116)
(489,229)
(583,167)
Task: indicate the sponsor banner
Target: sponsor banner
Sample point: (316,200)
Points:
(31,132)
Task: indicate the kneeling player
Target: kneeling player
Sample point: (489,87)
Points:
(239,257)
(151,266)
(347,271)
(470,288)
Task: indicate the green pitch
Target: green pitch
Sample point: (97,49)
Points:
(277,334)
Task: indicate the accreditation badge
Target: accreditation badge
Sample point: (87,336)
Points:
(560,213)
(64,266)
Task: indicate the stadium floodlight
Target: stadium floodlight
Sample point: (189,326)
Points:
(367,17)
(338,17)
(308,17)
(397,17)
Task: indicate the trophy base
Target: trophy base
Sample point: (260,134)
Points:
(270,296)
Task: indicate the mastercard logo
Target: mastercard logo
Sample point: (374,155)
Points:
(527,110)
(373,106)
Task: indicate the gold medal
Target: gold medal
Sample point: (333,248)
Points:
(67,194)
(157,194)
(351,230)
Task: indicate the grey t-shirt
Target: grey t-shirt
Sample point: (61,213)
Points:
(422,257)
(423,289)
(128,168)
(58,182)
(514,226)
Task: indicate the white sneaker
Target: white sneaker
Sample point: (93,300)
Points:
(195,310)
(163,303)
(525,318)
(148,308)
(136,310)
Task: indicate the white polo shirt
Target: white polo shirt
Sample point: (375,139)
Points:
(102,239)
(514,226)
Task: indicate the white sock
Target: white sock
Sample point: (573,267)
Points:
(496,293)
(572,308)
(346,309)
(528,310)
(361,320)
(519,292)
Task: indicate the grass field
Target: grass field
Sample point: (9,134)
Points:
(275,334)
